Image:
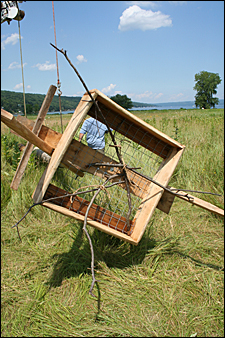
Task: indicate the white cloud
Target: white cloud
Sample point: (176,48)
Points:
(18,86)
(158,96)
(45,66)
(136,18)
(176,97)
(81,58)
(144,95)
(15,65)
(147,96)
(12,39)
(108,89)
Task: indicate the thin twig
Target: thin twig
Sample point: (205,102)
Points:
(88,236)
(110,132)
(196,191)
(63,196)
(106,164)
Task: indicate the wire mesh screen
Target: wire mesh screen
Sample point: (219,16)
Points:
(89,169)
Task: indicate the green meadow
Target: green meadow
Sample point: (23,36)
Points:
(170,285)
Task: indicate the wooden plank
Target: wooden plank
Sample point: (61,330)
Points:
(97,225)
(151,200)
(83,156)
(46,134)
(166,202)
(136,134)
(199,202)
(29,146)
(132,118)
(80,205)
(19,128)
(62,146)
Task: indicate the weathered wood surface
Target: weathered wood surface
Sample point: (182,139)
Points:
(25,132)
(46,134)
(132,118)
(79,205)
(151,200)
(62,146)
(199,202)
(144,134)
(97,225)
(29,146)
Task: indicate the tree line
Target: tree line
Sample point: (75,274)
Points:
(13,102)
(206,85)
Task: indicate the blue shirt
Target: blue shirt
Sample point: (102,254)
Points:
(95,131)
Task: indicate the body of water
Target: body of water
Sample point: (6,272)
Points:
(177,105)
(159,106)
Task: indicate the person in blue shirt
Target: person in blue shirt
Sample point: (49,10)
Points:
(95,131)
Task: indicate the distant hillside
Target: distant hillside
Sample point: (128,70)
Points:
(13,102)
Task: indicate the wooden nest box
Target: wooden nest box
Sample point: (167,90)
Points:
(149,159)
(146,152)
(130,186)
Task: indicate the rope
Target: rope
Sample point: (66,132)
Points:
(24,103)
(58,82)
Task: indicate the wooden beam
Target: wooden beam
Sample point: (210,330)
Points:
(199,202)
(48,135)
(151,200)
(29,146)
(114,107)
(133,132)
(22,130)
(64,142)
(97,225)
(80,205)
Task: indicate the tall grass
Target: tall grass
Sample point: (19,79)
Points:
(171,284)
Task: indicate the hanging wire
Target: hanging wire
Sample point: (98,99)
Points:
(24,103)
(58,82)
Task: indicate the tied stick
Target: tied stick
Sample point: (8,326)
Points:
(110,132)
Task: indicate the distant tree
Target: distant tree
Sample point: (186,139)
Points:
(29,108)
(206,85)
(36,108)
(122,100)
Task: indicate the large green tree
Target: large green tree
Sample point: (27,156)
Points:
(206,85)
(122,100)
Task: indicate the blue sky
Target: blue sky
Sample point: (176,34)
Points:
(148,50)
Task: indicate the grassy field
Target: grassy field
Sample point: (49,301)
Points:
(171,284)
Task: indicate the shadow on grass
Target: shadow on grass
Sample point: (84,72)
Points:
(113,252)
(109,249)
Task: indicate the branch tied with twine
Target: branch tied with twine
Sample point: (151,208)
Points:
(118,152)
